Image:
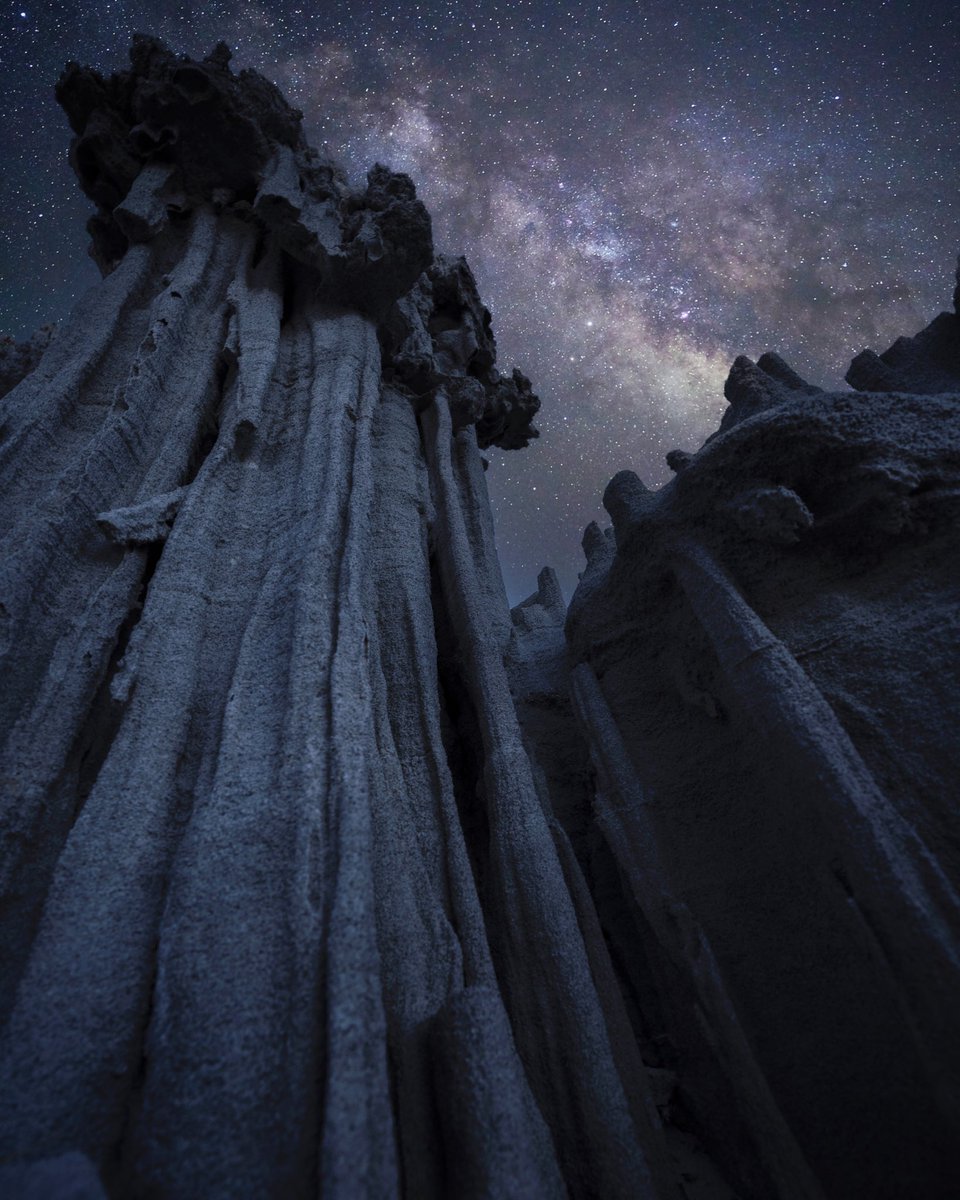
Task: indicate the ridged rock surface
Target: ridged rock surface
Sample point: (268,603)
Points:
(765,662)
(324,874)
(276,877)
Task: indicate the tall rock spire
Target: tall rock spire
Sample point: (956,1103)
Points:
(282,908)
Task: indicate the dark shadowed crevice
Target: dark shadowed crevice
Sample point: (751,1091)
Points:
(259,250)
(103,718)
(460,729)
(22,904)
(117,1169)
(244,439)
(291,282)
(627,937)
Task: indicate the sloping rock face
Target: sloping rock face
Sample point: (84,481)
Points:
(766,669)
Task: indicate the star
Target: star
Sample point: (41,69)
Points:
(722,171)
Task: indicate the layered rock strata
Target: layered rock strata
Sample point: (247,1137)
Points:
(322,872)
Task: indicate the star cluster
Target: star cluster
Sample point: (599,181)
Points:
(643,189)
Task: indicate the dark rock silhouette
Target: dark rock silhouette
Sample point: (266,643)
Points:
(322,872)
(766,658)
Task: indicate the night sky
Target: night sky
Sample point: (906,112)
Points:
(643,190)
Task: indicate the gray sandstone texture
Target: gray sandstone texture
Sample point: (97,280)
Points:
(324,874)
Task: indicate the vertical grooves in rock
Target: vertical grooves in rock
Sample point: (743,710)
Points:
(357,1144)
(463,744)
(324,873)
(429,924)
(78,672)
(894,871)
(581,1097)
(41,435)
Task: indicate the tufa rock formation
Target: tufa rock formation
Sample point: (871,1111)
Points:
(17,359)
(765,663)
(324,874)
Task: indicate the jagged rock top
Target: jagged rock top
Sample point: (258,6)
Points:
(440,336)
(170,134)
(221,129)
(155,141)
(795,471)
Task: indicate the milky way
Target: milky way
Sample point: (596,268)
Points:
(644,191)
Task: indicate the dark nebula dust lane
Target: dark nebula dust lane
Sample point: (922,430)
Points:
(644,191)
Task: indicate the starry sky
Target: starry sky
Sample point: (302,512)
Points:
(644,190)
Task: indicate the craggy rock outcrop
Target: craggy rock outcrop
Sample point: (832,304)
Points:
(158,142)
(440,335)
(766,670)
(927,363)
(323,873)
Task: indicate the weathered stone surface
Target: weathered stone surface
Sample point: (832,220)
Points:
(767,675)
(70,1177)
(275,875)
(18,359)
(321,872)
